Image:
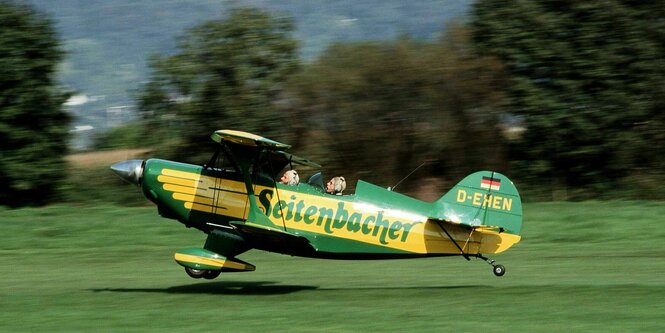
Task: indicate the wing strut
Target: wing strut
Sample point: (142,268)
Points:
(465,255)
(279,201)
(498,270)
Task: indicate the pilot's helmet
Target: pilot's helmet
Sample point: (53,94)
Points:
(339,184)
(292,177)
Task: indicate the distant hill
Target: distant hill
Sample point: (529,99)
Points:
(108,41)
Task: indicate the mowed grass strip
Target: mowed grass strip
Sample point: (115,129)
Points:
(590,267)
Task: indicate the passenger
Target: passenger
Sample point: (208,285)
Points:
(290,178)
(336,185)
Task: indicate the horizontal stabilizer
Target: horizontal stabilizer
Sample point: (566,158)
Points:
(471,240)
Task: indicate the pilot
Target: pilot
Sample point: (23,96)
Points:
(336,185)
(290,178)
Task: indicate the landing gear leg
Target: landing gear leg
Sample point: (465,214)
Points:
(497,269)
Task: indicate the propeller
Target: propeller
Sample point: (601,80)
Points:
(130,171)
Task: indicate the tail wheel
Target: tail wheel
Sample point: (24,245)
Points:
(499,270)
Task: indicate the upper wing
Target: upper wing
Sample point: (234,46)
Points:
(294,159)
(252,140)
(247,139)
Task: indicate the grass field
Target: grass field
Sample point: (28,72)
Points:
(581,267)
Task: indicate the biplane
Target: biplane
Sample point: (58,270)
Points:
(237,201)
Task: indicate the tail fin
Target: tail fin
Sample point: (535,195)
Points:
(484,198)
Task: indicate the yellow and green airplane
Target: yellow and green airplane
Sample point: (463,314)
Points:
(236,200)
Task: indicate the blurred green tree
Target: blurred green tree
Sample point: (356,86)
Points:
(587,79)
(33,124)
(229,73)
(380,109)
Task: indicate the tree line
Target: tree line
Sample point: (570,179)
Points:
(33,124)
(564,97)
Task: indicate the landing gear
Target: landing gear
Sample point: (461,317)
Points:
(497,269)
(195,273)
(202,273)
(210,275)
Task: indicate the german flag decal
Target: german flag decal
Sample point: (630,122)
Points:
(490,183)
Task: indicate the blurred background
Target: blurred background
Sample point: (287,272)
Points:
(564,97)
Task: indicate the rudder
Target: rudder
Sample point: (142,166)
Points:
(484,198)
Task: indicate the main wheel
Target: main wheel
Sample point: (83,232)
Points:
(499,270)
(209,275)
(195,273)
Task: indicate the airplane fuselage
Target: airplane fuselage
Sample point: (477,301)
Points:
(237,202)
(352,226)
